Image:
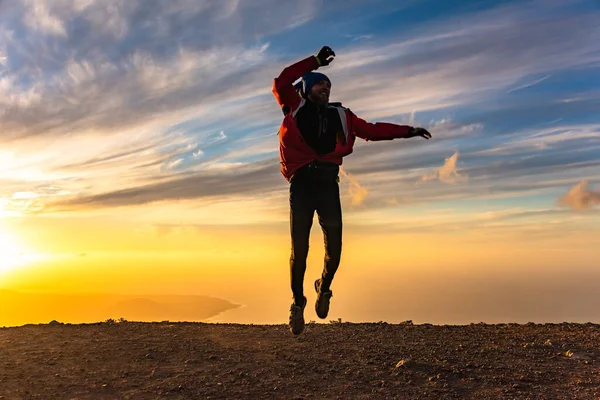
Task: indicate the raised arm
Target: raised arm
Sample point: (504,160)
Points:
(283,85)
(384,130)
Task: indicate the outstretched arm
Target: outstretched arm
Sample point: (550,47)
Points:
(385,131)
(283,85)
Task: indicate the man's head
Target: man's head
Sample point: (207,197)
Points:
(316,87)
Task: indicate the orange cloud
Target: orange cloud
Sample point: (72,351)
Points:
(448,172)
(356,190)
(579,197)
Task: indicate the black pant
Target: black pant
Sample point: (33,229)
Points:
(314,188)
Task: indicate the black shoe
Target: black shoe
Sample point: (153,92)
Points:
(297,317)
(323,299)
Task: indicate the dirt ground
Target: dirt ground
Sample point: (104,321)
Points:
(130,360)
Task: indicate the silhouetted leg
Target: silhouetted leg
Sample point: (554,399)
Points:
(301,218)
(329,210)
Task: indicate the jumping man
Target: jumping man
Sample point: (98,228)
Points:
(313,138)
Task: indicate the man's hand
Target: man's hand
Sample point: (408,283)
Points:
(325,55)
(424,133)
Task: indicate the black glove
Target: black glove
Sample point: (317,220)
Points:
(414,132)
(325,55)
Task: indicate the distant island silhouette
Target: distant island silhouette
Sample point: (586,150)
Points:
(19,308)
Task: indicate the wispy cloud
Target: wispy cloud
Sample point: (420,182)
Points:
(355,38)
(499,48)
(224,182)
(68,81)
(531,139)
(530,84)
(178,103)
(40,18)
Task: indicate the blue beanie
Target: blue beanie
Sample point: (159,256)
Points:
(308,81)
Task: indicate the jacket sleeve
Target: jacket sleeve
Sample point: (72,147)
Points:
(283,85)
(379,130)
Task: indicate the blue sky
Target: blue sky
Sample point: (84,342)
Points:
(175,98)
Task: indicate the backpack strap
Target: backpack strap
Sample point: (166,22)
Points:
(302,103)
(342,112)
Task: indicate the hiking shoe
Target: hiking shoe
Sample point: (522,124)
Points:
(297,318)
(323,298)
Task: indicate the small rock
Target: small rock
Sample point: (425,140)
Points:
(407,362)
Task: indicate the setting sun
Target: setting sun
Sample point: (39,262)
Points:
(12,252)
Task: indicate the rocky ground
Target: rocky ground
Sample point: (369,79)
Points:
(129,360)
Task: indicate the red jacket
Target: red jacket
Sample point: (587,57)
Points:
(294,151)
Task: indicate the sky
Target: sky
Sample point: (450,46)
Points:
(139,154)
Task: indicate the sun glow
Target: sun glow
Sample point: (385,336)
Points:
(12,253)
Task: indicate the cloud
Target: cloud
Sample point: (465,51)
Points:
(40,18)
(580,197)
(77,85)
(102,96)
(448,172)
(355,38)
(357,192)
(177,102)
(173,164)
(224,182)
(142,89)
(530,84)
(100,66)
(198,153)
(393,168)
(555,137)
(464,59)
(529,224)
(31,202)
